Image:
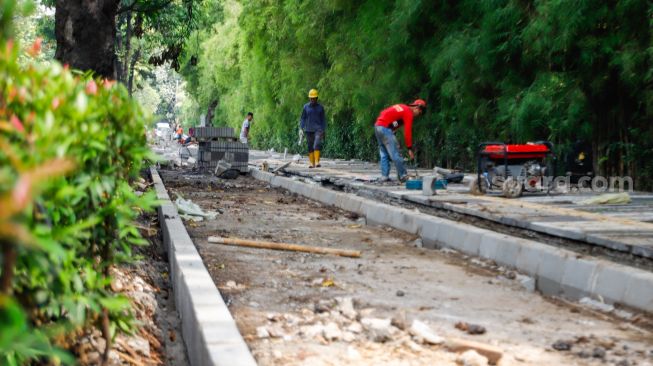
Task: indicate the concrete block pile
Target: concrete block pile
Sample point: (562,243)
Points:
(219,143)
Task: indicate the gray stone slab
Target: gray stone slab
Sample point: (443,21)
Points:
(639,291)
(570,230)
(611,281)
(578,277)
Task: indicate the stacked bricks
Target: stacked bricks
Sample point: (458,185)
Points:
(219,143)
(209,133)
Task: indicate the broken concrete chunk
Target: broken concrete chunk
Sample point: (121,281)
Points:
(348,336)
(471,358)
(140,345)
(346,307)
(470,328)
(399,320)
(413,346)
(492,353)
(597,305)
(311,331)
(527,282)
(323,306)
(332,332)
(379,330)
(276,331)
(423,333)
(192,209)
(262,332)
(562,345)
(418,243)
(355,327)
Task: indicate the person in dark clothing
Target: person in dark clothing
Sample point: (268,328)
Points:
(312,123)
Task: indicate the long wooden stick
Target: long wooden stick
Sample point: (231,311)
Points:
(284,246)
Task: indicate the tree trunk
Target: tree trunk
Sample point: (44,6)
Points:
(130,83)
(210,112)
(85,31)
(119,40)
(128,46)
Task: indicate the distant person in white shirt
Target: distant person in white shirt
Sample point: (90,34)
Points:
(244,132)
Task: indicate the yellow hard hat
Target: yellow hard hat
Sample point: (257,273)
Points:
(312,93)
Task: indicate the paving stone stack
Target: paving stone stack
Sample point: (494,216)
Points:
(220,143)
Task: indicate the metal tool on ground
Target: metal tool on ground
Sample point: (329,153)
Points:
(283,246)
(415,166)
(282,167)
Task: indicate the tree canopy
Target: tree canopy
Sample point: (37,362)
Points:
(509,70)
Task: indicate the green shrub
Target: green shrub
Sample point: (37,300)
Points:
(69,146)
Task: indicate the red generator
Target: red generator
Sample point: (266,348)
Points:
(513,168)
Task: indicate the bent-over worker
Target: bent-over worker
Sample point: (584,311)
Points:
(387,123)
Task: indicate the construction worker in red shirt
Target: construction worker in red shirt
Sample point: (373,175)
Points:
(387,123)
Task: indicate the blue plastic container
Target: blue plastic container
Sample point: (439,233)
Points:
(441,184)
(417,184)
(414,184)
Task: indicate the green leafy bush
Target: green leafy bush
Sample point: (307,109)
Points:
(69,146)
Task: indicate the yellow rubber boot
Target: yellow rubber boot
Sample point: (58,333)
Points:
(311,158)
(317,158)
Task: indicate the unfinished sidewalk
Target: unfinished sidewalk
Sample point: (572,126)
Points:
(280,299)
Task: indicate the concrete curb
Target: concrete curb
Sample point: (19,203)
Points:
(556,271)
(210,333)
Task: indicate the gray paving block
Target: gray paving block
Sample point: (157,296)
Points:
(375,213)
(410,222)
(472,243)
(563,229)
(508,251)
(352,204)
(452,234)
(529,257)
(550,270)
(644,251)
(489,245)
(327,196)
(611,281)
(639,291)
(578,277)
(160,189)
(429,233)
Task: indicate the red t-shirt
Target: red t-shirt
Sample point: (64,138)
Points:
(396,116)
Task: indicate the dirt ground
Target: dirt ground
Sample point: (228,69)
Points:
(296,309)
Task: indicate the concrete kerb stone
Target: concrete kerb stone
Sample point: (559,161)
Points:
(428,228)
(556,271)
(639,291)
(611,281)
(550,269)
(198,300)
(578,277)
(489,245)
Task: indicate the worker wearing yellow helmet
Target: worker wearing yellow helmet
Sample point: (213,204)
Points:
(312,123)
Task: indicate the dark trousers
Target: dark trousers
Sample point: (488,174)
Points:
(314,140)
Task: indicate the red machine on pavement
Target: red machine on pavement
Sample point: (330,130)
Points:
(513,168)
